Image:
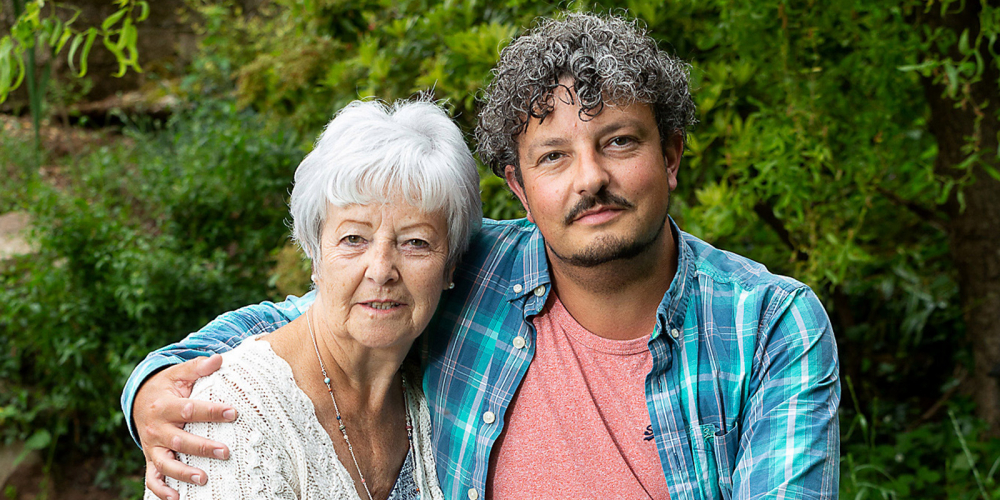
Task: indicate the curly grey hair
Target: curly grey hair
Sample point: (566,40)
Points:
(610,59)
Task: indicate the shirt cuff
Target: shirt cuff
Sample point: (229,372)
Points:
(147,368)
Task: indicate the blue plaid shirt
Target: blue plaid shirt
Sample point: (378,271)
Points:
(742,396)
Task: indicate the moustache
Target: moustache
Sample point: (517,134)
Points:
(603,198)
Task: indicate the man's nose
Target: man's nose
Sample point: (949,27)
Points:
(382,263)
(590,174)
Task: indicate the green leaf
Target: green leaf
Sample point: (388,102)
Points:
(963,42)
(123,35)
(38,441)
(143,11)
(87,44)
(952,72)
(57,32)
(10,78)
(62,41)
(991,171)
(112,19)
(77,40)
(945,191)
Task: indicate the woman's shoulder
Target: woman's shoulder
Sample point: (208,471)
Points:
(252,375)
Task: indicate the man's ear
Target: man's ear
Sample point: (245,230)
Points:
(673,149)
(510,173)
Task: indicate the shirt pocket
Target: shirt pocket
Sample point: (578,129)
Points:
(719,448)
(725,444)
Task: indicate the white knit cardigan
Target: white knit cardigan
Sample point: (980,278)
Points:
(278,448)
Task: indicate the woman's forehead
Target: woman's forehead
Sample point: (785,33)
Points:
(397,214)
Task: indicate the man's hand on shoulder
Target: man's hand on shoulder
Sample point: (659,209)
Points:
(160,410)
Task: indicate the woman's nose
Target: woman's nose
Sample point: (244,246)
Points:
(382,266)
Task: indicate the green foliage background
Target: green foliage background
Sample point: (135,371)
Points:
(812,155)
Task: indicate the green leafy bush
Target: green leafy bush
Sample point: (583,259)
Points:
(148,240)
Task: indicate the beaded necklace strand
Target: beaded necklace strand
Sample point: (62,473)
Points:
(340,421)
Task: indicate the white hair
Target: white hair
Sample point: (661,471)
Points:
(371,153)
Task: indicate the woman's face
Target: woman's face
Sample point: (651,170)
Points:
(382,271)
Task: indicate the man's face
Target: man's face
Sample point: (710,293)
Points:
(598,188)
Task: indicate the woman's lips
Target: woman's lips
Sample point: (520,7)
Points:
(382,305)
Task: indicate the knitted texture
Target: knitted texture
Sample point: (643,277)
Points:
(278,448)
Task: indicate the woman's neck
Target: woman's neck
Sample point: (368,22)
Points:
(364,379)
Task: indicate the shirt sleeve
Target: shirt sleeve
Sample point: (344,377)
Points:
(221,335)
(790,444)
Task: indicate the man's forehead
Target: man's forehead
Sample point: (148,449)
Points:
(607,117)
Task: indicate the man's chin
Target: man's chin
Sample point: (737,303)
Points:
(605,251)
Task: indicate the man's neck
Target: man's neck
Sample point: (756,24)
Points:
(618,299)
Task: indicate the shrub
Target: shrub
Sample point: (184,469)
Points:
(148,240)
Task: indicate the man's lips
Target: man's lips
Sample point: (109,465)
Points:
(598,214)
(597,208)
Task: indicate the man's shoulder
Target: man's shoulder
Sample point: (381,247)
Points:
(260,318)
(499,240)
(494,231)
(728,268)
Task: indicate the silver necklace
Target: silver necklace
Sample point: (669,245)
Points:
(340,421)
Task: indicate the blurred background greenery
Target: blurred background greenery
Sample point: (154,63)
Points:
(850,144)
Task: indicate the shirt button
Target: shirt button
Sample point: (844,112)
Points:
(517,289)
(519,342)
(473,494)
(540,291)
(489,418)
(675,333)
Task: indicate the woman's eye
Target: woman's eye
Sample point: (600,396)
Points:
(352,239)
(418,243)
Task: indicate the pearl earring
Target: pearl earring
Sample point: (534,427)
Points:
(451,285)
(314,277)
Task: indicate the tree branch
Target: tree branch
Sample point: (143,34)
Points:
(766,213)
(929,216)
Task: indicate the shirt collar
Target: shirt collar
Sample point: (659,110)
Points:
(533,279)
(673,307)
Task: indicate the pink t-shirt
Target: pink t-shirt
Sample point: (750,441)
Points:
(578,427)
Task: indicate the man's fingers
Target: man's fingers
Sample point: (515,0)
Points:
(184,442)
(186,373)
(155,483)
(207,366)
(167,465)
(192,410)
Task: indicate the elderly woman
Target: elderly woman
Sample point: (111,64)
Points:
(383,206)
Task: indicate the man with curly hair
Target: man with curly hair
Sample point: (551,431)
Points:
(593,350)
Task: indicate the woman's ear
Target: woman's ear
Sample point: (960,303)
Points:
(449,278)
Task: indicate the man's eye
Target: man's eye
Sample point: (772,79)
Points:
(352,239)
(621,141)
(550,157)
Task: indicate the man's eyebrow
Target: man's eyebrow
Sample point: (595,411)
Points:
(547,143)
(618,125)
